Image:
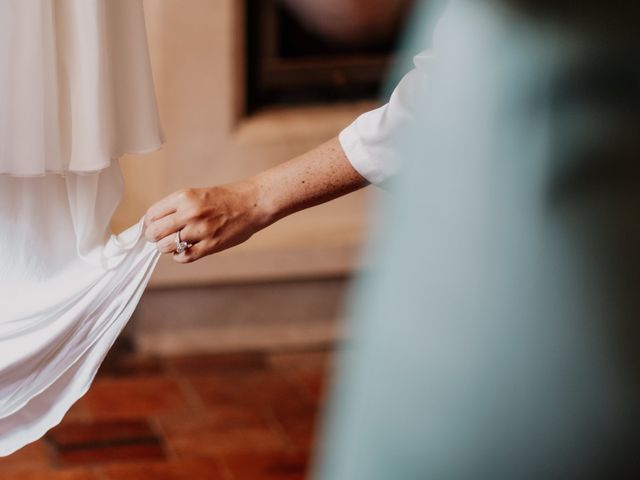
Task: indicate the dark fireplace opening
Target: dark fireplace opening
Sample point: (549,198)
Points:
(289,63)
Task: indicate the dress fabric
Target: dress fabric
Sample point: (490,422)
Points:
(76,93)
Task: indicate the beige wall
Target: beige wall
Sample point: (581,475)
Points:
(196,48)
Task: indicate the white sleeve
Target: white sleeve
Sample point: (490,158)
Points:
(371,142)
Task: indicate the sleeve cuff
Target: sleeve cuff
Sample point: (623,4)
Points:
(358,155)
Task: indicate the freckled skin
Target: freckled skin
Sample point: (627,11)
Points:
(216,218)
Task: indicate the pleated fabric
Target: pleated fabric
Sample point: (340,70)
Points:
(76,92)
(75,85)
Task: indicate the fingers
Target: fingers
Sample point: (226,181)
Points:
(167,244)
(195,252)
(164,227)
(187,211)
(164,207)
(188,234)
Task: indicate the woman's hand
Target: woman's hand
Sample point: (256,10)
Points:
(213,219)
(208,219)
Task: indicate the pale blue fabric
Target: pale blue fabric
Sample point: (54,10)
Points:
(496,335)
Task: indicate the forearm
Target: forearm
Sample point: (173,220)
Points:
(213,219)
(315,177)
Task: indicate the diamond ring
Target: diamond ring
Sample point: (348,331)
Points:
(181,245)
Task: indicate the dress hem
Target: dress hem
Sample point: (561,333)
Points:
(102,167)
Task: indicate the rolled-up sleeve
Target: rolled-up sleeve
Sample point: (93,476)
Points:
(372,141)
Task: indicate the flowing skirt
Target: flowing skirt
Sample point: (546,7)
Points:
(75,93)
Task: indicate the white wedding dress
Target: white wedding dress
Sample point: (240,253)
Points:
(76,93)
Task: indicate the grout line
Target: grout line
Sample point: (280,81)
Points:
(277,427)
(165,442)
(226,472)
(194,401)
(99,473)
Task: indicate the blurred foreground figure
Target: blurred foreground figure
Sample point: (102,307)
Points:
(496,337)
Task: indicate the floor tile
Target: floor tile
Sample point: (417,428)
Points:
(299,422)
(33,456)
(259,389)
(238,416)
(188,469)
(79,412)
(75,433)
(125,398)
(309,369)
(132,366)
(220,364)
(287,400)
(320,359)
(282,466)
(231,429)
(45,474)
(101,442)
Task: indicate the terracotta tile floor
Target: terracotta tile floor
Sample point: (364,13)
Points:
(244,416)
